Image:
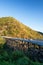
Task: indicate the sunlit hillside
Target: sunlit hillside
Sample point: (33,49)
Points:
(9,26)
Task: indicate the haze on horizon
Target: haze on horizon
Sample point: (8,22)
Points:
(29,12)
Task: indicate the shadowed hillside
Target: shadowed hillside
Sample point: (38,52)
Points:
(9,26)
(40,33)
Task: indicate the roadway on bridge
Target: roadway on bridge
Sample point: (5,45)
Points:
(38,42)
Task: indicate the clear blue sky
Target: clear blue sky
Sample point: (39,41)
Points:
(29,12)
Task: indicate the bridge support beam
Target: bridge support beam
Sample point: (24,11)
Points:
(28,46)
(34,46)
(39,47)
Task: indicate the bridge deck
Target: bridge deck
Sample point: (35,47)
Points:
(38,42)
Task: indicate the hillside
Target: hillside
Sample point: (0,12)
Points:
(9,26)
(40,33)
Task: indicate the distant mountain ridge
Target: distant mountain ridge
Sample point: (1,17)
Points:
(9,26)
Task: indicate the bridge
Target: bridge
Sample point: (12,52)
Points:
(28,42)
(32,48)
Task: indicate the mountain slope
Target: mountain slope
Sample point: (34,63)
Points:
(9,26)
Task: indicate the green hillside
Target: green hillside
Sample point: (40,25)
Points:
(9,26)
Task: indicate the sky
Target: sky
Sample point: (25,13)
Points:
(29,12)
